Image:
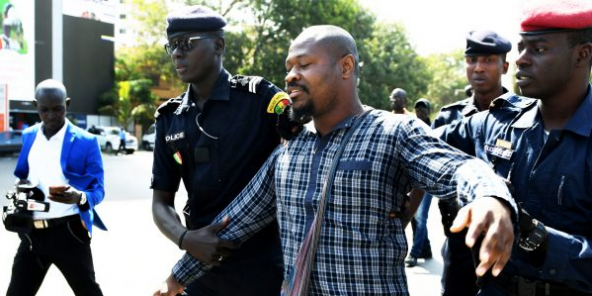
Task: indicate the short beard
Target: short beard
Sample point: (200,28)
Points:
(303,115)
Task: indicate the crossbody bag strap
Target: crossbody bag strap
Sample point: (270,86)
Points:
(298,281)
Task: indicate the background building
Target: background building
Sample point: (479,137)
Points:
(68,40)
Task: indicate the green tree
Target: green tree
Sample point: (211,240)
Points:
(448,78)
(147,59)
(130,101)
(261,45)
(391,62)
(140,67)
(259,33)
(279,22)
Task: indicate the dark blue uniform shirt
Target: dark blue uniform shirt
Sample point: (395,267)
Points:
(457,111)
(458,274)
(216,151)
(552,180)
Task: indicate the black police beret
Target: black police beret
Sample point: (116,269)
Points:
(485,43)
(194,19)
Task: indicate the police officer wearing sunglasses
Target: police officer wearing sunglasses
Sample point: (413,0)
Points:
(214,137)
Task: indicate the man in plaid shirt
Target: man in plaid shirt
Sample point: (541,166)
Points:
(362,243)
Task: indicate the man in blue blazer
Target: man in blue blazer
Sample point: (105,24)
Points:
(65,163)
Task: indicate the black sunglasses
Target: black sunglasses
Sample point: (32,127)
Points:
(184,44)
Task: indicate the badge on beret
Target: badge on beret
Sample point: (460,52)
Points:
(178,158)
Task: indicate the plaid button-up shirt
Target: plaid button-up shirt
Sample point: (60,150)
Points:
(361,247)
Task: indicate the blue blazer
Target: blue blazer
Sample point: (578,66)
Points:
(82,165)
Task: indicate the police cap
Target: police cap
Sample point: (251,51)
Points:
(195,18)
(486,43)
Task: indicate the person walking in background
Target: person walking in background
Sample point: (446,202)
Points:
(122,140)
(420,247)
(398,99)
(422,110)
(65,163)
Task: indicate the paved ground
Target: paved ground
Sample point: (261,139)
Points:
(133,258)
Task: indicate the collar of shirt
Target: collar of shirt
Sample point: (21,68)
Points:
(579,123)
(580,120)
(220,92)
(59,136)
(471,107)
(45,169)
(347,122)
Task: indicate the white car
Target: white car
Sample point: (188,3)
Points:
(108,137)
(148,138)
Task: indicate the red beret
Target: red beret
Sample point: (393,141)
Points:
(546,16)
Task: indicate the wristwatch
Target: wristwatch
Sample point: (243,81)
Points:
(82,199)
(532,232)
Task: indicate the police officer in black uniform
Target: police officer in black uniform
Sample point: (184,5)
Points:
(214,137)
(485,63)
(485,57)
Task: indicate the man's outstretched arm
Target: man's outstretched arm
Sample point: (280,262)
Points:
(448,173)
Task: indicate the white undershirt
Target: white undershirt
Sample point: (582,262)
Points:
(45,170)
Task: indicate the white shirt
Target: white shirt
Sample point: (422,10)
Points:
(45,170)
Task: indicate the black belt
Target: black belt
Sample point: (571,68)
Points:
(48,223)
(519,286)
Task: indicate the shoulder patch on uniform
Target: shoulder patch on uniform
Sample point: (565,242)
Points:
(459,104)
(246,83)
(169,105)
(511,100)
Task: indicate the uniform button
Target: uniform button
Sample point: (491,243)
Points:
(552,271)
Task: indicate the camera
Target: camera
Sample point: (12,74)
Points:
(18,214)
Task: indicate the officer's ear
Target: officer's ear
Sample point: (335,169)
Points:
(219,45)
(505,63)
(584,52)
(505,67)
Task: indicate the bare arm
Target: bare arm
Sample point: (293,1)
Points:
(165,216)
(415,198)
(203,243)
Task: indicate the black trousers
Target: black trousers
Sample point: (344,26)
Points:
(121,146)
(67,246)
(458,276)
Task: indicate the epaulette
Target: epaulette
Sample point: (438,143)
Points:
(246,83)
(511,100)
(169,105)
(459,104)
